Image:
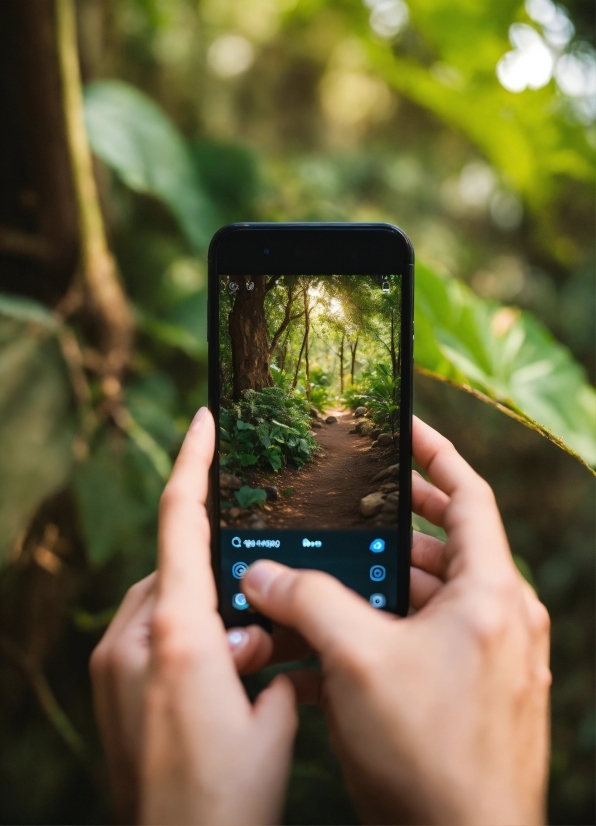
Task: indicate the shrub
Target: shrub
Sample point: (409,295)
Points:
(266,428)
(377,391)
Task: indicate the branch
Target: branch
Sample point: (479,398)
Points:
(286,321)
(272,282)
(99,270)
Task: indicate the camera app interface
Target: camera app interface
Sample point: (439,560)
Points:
(309,380)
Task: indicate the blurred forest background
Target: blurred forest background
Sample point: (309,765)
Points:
(469,124)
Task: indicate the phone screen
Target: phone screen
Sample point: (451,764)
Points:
(309,386)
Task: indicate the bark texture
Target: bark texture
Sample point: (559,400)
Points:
(249,335)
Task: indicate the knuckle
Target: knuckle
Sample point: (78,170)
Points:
(173,646)
(539,619)
(485,491)
(117,660)
(544,677)
(488,624)
(362,662)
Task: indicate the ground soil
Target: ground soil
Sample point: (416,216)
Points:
(326,492)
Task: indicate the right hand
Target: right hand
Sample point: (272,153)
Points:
(441,717)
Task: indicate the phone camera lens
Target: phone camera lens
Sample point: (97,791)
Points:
(266,251)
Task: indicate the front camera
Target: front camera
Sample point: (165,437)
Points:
(266,251)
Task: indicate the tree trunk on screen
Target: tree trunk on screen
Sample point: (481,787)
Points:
(353,348)
(341,363)
(249,335)
(306,335)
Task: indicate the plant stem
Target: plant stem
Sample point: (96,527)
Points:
(99,269)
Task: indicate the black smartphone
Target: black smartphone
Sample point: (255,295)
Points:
(310,332)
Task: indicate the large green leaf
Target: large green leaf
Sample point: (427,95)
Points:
(508,358)
(36,415)
(135,138)
(117,490)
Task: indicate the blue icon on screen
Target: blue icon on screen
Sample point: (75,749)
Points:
(377,545)
(378,600)
(240,602)
(239,569)
(236,542)
(378,573)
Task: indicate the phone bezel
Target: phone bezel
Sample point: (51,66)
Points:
(318,249)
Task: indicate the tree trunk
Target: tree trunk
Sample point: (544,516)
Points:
(249,336)
(295,379)
(306,334)
(353,348)
(285,323)
(283,352)
(341,364)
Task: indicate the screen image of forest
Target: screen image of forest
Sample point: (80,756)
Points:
(310,382)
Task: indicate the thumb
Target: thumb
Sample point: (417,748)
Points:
(326,613)
(275,720)
(275,711)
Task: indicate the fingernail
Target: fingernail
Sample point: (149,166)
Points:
(260,576)
(199,416)
(237,638)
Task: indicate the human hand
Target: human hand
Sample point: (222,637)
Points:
(183,743)
(441,717)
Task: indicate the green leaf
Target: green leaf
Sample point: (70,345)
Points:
(117,491)
(247,496)
(505,357)
(242,425)
(132,135)
(247,459)
(36,415)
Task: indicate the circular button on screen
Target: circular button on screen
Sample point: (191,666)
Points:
(378,573)
(378,601)
(240,602)
(239,569)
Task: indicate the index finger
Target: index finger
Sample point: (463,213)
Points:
(477,540)
(184,568)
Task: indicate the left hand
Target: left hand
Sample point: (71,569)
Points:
(183,742)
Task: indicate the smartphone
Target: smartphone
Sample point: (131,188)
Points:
(310,330)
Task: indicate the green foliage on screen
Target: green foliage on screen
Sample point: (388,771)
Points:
(265,429)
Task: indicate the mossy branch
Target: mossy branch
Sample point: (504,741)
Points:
(98,267)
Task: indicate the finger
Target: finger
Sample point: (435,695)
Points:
(319,607)
(134,597)
(428,554)
(477,542)
(184,570)
(539,625)
(251,648)
(275,720)
(423,587)
(185,625)
(427,500)
(308,686)
(122,655)
(437,457)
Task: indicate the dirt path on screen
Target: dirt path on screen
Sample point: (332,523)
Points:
(326,492)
